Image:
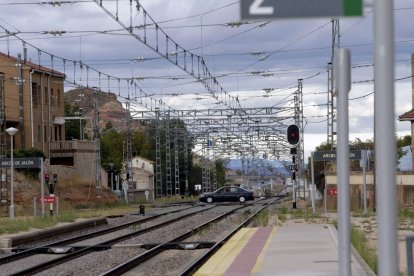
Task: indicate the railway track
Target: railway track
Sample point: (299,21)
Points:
(143,239)
(23,252)
(24,261)
(146,263)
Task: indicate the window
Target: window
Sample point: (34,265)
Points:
(35,95)
(44,134)
(52,100)
(46,97)
(39,134)
(58,98)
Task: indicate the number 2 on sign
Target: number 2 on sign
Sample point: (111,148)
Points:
(256,8)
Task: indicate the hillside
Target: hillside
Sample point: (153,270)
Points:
(110,109)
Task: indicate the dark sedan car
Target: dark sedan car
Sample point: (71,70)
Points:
(228,193)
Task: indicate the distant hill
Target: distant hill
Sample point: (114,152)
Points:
(262,166)
(110,109)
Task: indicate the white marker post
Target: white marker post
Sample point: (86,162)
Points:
(313,186)
(343,85)
(42,188)
(385,149)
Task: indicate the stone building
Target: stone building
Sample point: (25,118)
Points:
(31,97)
(409,116)
(143,178)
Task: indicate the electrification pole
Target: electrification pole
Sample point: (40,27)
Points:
(168,154)
(158,172)
(97,143)
(176,162)
(130,177)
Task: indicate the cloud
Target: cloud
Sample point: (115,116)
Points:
(299,49)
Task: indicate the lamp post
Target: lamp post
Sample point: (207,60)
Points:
(11,131)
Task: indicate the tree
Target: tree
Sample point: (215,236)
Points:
(112,145)
(176,127)
(221,171)
(402,142)
(72,127)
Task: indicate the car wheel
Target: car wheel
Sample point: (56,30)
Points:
(242,199)
(209,200)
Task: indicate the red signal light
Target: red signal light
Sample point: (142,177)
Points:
(293,135)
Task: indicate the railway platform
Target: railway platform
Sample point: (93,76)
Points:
(292,249)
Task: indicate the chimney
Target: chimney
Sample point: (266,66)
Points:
(24,54)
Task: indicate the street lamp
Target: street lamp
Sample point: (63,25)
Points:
(11,131)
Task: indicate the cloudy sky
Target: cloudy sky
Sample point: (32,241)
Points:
(245,59)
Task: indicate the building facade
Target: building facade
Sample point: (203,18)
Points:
(31,97)
(143,178)
(409,116)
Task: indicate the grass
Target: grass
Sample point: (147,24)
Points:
(305,214)
(69,213)
(404,213)
(25,223)
(20,224)
(261,219)
(360,243)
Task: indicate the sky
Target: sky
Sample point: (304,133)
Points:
(247,60)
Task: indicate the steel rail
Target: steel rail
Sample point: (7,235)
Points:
(84,251)
(192,268)
(34,250)
(132,263)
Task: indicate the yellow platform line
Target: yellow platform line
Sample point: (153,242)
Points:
(260,258)
(219,263)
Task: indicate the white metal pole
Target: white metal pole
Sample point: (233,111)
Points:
(313,186)
(42,187)
(343,75)
(364,180)
(11,211)
(385,150)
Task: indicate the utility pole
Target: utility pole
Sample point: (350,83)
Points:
(331,131)
(208,164)
(97,142)
(4,197)
(203,166)
(299,122)
(385,150)
(20,81)
(297,157)
(168,154)
(130,177)
(176,162)
(186,140)
(158,172)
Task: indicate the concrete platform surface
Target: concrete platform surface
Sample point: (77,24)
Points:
(293,249)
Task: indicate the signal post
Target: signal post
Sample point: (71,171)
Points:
(293,137)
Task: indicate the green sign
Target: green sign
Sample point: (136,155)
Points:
(330,155)
(275,9)
(21,163)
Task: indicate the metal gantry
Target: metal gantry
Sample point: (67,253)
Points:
(168,180)
(176,162)
(158,165)
(130,175)
(96,135)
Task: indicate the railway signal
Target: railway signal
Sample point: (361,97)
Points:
(293,135)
